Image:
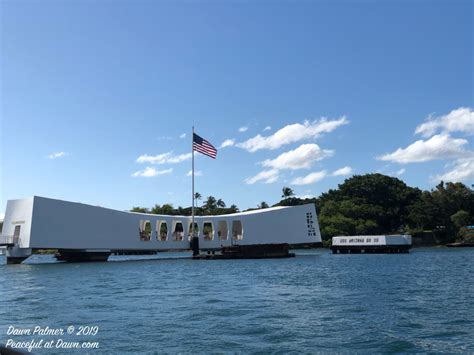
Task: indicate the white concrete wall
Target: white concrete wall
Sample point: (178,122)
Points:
(400,239)
(18,213)
(68,225)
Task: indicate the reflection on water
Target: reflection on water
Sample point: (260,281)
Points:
(417,302)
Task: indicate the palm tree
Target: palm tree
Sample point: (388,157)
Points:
(210,203)
(197,196)
(234,208)
(287,192)
(263,204)
(220,203)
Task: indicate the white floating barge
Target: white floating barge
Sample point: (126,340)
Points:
(83,232)
(374,244)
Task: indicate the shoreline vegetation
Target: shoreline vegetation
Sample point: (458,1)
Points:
(368,205)
(371,204)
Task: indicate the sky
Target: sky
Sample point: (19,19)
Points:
(98,98)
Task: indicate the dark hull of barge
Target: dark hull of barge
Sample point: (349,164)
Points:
(79,256)
(257,251)
(375,249)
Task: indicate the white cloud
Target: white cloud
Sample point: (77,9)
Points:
(56,155)
(459,120)
(302,157)
(292,133)
(267,176)
(393,173)
(243,129)
(227,143)
(150,172)
(268,128)
(310,178)
(196,173)
(462,170)
(440,146)
(183,135)
(347,170)
(164,158)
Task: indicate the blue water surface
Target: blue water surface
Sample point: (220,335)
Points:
(316,302)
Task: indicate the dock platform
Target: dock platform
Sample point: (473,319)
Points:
(371,244)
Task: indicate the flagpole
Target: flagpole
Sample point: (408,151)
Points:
(194,238)
(192,174)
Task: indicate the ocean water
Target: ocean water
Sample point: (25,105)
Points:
(316,302)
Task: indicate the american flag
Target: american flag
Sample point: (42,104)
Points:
(202,146)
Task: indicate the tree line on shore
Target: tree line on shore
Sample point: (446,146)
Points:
(369,204)
(211,206)
(380,204)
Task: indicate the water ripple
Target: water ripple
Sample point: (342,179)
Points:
(316,302)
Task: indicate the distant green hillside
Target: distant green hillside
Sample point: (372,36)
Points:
(380,204)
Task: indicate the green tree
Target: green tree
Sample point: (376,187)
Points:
(166,209)
(366,204)
(210,204)
(197,196)
(234,208)
(156,209)
(461,219)
(140,210)
(220,203)
(423,212)
(263,204)
(450,198)
(435,209)
(287,192)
